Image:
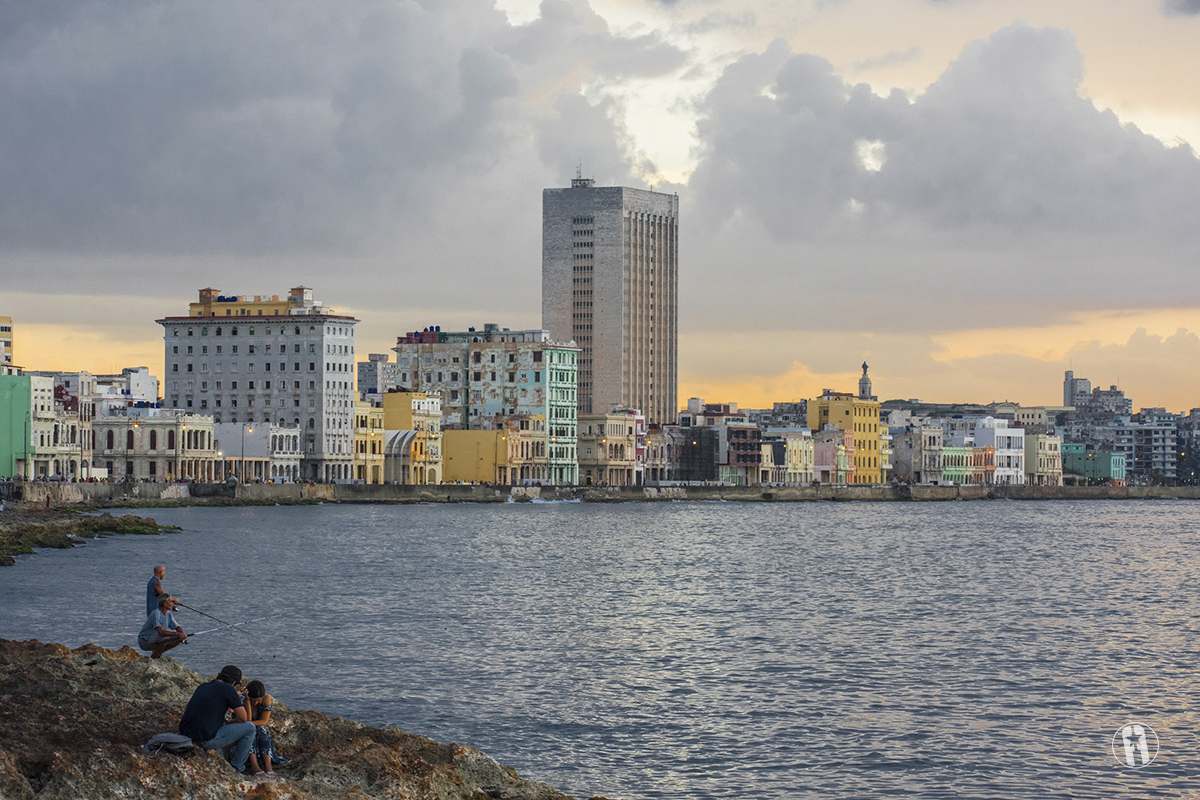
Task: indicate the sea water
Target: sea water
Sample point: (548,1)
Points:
(991,649)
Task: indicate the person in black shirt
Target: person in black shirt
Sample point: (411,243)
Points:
(204,718)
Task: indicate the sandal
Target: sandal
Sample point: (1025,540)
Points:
(271,774)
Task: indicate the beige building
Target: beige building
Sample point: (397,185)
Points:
(798,454)
(608,449)
(157,445)
(369,435)
(1043,460)
(610,272)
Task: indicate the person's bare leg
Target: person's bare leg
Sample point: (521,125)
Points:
(254,764)
(267,762)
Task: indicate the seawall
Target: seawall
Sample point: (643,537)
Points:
(151,494)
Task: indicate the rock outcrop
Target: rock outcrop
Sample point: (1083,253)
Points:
(23,529)
(72,723)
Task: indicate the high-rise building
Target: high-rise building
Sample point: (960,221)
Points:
(247,359)
(610,272)
(376,375)
(1076,391)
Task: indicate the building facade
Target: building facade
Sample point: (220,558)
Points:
(486,376)
(610,274)
(412,438)
(156,445)
(858,415)
(608,447)
(377,375)
(1043,460)
(369,435)
(260,359)
(1009,450)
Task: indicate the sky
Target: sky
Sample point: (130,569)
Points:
(972,196)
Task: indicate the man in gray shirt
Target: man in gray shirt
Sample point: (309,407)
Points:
(161,632)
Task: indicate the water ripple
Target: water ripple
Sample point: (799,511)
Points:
(715,650)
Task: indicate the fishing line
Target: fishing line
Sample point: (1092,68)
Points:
(210,616)
(231,626)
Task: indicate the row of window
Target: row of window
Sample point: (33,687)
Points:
(233,331)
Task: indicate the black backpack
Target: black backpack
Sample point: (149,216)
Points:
(173,743)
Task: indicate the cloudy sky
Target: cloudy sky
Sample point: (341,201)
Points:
(971,195)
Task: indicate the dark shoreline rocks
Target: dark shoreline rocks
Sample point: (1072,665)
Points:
(73,721)
(23,528)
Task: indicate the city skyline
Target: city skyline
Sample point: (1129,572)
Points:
(956,192)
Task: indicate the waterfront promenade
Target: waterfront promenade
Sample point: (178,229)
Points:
(110,494)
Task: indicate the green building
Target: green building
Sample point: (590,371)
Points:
(954,465)
(1094,466)
(16,406)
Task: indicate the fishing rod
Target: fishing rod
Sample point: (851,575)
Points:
(210,616)
(231,626)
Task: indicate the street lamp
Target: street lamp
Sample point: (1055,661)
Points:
(242,461)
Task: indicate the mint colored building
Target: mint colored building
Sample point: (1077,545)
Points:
(954,465)
(16,407)
(1091,464)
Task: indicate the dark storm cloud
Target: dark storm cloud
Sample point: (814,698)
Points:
(222,126)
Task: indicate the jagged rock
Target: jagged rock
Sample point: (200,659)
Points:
(72,723)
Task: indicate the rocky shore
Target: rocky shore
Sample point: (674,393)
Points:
(72,723)
(23,528)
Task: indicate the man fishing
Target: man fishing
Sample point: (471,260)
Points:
(154,588)
(161,632)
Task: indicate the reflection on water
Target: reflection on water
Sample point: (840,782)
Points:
(708,650)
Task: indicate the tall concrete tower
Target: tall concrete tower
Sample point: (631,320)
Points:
(610,282)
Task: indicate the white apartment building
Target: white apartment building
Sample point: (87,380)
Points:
(260,359)
(1009,444)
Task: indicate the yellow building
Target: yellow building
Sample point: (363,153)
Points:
(475,456)
(413,434)
(213,304)
(858,416)
(368,442)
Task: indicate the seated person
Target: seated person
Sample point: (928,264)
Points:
(258,709)
(204,718)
